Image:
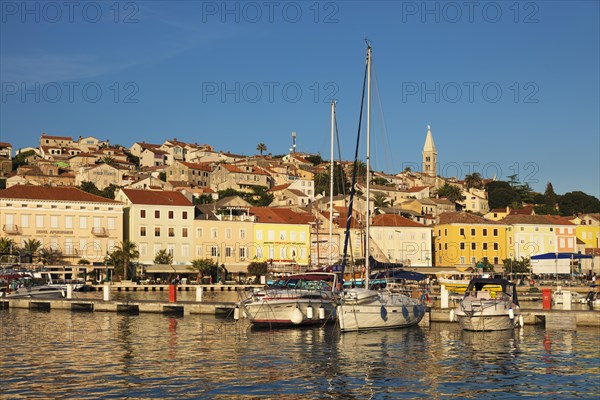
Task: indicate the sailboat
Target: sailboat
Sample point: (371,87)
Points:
(364,308)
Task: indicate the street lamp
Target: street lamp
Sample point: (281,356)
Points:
(106,267)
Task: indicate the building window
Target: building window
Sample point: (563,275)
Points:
(462,245)
(228,233)
(171,232)
(156,213)
(68,222)
(185,250)
(282,235)
(462,260)
(25,221)
(293,236)
(199,232)
(213,233)
(302,236)
(495,246)
(142,213)
(473,246)
(142,231)
(484,232)
(242,234)
(485,246)
(184,215)
(228,251)
(214,251)
(495,232)
(82,222)
(462,231)
(258,235)
(472,231)
(495,260)
(171,214)
(54,221)
(157,231)
(184,232)
(111,223)
(271,235)
(242,253)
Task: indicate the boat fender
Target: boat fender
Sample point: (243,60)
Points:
(404,311)
(297,316)
(383,313)
(511,313)
(236,313)
(321,312)
(521,323)
(416,310)
(452,315)
(309,312)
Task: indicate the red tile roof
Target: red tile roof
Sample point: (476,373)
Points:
(525,210)
(465,218)
(56,137)
(62,193)
(395,220)
(417,189)
(279,187)
(254,170)
(534,220)
(158,198)
(5,144)
(198,166)
(280,215)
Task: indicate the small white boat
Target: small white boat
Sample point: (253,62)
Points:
(301,299)
(488,305)
(35,292)
(558,297)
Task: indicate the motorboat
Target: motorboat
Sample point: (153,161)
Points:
(35,292)
(489,305)
(300,299)
(558,297)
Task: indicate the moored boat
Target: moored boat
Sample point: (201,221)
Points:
(489,305)
(301,299)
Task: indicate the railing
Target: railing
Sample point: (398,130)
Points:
(11,229)
(99,231)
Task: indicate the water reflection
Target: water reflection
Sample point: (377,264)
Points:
(95,355)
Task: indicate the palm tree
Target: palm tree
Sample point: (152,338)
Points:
(109,160)
(7,245)
(261,147)
(126,251)
(453,193)
(380,200)
(31,247)
(163,257)
(474,180)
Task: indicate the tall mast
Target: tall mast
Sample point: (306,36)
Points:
(368,225)
(331,171)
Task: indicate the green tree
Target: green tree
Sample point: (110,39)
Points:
(261,147)
(109,160)
(515,266)
(572,203)
(315,159)
(31,246)
(163,257)
(90,187)
(380,200)
(340,184)
(203,199)
(453,193)
(550,198)
(257,269)
(50,256)
(109,191)
(485,265)
(123,256)
(21,159)
(204,267)
(474,180)
(83,261)
(382,181)
(162,176)
(8,245)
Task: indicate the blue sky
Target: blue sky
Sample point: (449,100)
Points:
(507,87)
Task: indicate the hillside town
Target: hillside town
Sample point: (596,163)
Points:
(75,201)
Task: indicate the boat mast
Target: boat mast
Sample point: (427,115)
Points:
(331,172)
(368,224)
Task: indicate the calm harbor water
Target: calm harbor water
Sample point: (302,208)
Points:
(62,354)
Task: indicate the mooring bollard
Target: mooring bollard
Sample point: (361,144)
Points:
(69,291)
(199,293)
(566,300)
(106,292)
(444,296)
(172,293)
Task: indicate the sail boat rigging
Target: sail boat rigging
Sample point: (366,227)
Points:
(365,308)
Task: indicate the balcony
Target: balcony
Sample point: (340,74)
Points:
(11,229)
(99,231)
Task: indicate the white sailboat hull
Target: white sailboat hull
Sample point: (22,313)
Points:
(386,311)
(288,312)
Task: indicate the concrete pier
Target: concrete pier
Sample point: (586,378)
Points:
(128,306)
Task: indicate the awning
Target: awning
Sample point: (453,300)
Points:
(554,256)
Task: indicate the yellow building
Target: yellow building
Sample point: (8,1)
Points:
(463,239)
(75,223)
(530,235)
(588,230)
(225,235)
(281,237)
